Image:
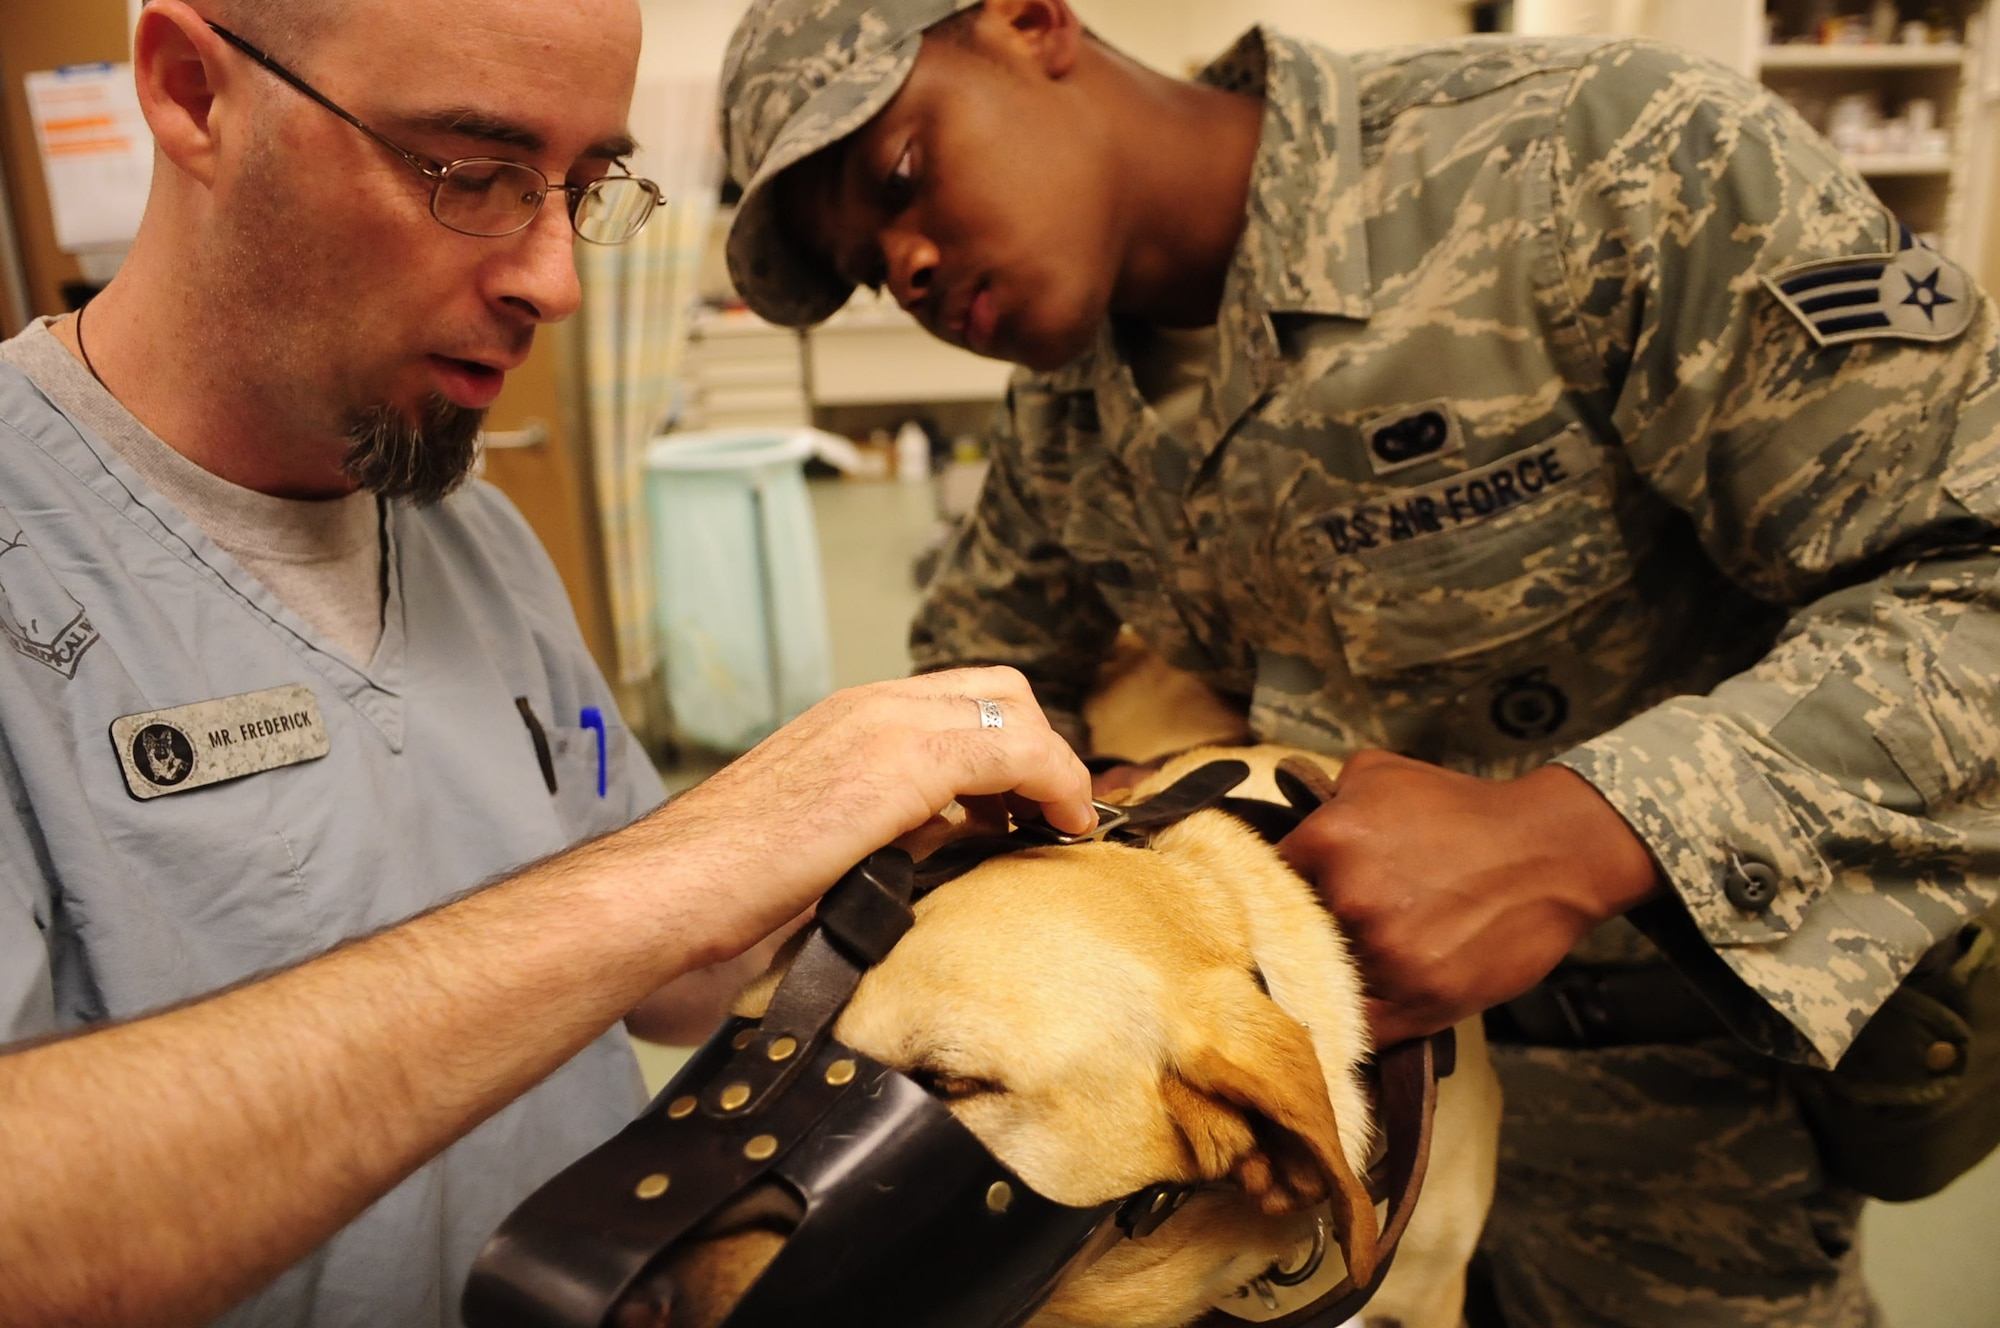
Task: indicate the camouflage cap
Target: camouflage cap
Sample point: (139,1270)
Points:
(800,76)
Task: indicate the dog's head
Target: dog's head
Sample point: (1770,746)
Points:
(1104,1018)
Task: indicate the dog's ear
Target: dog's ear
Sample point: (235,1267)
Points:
(1252,1105)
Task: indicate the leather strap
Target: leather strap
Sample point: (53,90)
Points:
(1272,821)
(573,1248)
(1305,784)
(1195,791)
(860,918)
(1306,788)
(868,910)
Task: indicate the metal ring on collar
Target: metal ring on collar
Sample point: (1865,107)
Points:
(989,714)
(1305,1272)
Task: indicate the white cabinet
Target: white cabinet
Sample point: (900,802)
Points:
(744,373)
(872,352)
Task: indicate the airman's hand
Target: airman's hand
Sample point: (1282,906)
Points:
(1457,893)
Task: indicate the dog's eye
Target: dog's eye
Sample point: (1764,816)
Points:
(952,1087)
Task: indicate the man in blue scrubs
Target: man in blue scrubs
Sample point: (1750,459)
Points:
(282,693)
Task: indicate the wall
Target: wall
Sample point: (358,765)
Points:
(44,36)
(1725,30)
(685,38)
(1180,36)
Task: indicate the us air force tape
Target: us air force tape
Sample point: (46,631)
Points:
(1915,294)
(193,746)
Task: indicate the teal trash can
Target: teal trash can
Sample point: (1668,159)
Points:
(741,607)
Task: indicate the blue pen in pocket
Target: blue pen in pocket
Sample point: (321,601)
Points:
(593,719)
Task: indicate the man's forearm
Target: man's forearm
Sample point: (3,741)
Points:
(159,1171)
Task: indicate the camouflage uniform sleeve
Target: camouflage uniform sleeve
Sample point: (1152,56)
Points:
(1826,815)
(1006,590)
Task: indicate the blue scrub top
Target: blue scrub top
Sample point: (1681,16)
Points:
(115,604)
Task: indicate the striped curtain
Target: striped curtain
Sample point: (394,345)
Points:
(638,304)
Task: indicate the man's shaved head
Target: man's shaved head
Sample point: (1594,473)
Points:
(282,27)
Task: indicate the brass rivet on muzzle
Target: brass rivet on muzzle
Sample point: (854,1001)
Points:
(761,1148)
(743,1039)
(782,1049)
(652,1187)
(681,1108)
(999,1196)
(734,1096)
(840,1073)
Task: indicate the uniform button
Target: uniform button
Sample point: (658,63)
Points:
(1940,1057)
(1751,885)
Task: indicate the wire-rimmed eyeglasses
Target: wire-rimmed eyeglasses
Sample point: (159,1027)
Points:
(492,196)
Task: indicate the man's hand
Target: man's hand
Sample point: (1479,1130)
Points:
(1457,893)
(864,766)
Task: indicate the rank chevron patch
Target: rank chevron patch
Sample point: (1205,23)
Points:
(1914,294)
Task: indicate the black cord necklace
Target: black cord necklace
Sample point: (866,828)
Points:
(85,350)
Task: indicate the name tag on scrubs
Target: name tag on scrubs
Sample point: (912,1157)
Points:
(193,746)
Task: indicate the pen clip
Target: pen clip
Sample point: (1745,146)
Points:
(593,719)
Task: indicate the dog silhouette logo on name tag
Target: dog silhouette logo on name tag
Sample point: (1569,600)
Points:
(164,753)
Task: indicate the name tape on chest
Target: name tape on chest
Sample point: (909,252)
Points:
(193,746)
(1506,485)
(1915,294)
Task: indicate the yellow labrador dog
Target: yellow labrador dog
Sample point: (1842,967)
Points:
(1106,1017)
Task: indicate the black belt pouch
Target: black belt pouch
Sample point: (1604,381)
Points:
(1915,1102)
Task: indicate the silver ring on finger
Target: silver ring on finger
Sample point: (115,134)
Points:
(989,714)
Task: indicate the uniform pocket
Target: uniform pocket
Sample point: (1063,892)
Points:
(1467,566)
(573,753)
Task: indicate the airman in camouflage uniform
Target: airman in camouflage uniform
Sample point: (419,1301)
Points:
(1568,402)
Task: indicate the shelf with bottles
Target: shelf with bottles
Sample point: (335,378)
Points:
(1886,82)
(1911,34)
(1884,126)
